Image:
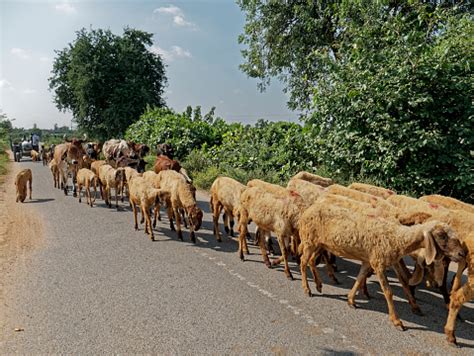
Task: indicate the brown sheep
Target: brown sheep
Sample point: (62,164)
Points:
(95,168)
(448,202)
(182,196)
(225,194)
(372,189)
(145,197)
(111,178)
(87,179)
(23,179)
(459,296)
(377,243)
(313,178)
(53,166)
(270,212)
(34,155)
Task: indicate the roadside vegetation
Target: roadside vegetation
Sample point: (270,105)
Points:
(385,89)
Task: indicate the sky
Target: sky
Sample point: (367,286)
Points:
(198,41)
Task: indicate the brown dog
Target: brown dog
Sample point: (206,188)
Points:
(22,178)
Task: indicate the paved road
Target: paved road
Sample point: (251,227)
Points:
(97,287)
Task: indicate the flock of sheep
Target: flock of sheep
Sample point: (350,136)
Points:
(314,220)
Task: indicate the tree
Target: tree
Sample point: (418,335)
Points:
(285,39)
(397,107)
(107,81)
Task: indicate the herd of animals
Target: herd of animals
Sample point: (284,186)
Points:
(313,219)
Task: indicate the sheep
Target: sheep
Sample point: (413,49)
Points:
(461,221)
(23,181)
(143,195)
(459,296)
(225,194)
(367,210)
(270,212)
(86,178)
(313,178)
(129,174)
(378,243)
(34,155)
(95,168)
(96,165)
(53,166)
(182,196)
(372,189)
(448,202)
(273,188)
(111,178)
(307,190)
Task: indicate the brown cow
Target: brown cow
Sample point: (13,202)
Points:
(69,156)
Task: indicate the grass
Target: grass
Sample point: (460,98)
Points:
(3,157)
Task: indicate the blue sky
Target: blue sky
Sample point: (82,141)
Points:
(197,40)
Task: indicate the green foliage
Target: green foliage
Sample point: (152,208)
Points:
(286,39)
(106,80)
(397,106)
(183,131)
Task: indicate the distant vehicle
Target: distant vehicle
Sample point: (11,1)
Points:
(21,150)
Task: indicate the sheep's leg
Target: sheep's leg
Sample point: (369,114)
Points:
(457,279)
(284,251)
(156,213)
(79,188)
(243,230)
(134,209)
(406,289)
(443,288)
(458,298)
(231,225)
(148,223)
(308,252)
(183,215)
(169,209)
(117,190)
(260,236)
(361,277)
(314,271)
(387,291)
(177,217)
(224,221)
(216,211)
(95,194)
(329,267)
(30,185)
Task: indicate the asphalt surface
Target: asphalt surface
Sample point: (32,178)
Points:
(97,286)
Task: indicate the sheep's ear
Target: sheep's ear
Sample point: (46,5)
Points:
(430,247)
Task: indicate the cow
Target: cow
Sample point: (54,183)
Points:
(165,149)
(70,158)
(114,149)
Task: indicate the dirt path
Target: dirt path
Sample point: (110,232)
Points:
(20,233)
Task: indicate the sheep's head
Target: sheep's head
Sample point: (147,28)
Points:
(195,217)
(441,238)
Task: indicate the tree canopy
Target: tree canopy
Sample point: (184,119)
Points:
(387,86)
(107,80)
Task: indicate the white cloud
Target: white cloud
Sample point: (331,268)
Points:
(66,7)
(29,91)
(6,86)
(45,59)
(20,53)
(175,52)
(177,14)
(170,9)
